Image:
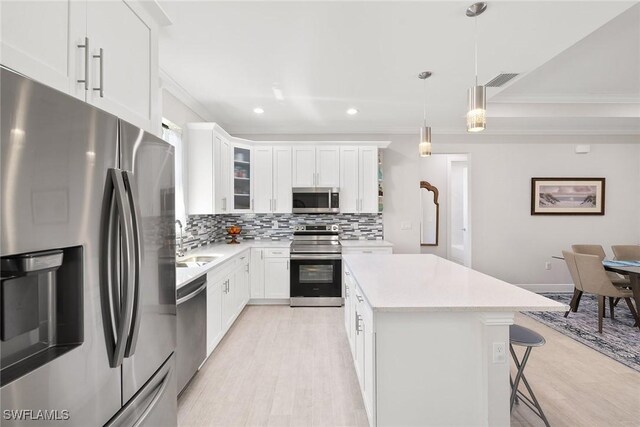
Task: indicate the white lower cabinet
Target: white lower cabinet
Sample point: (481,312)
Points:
(359,323)
(214,315)
(270,273)
(227,294)
(276,273)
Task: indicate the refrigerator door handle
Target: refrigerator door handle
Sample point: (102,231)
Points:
(128,179)
(127,300)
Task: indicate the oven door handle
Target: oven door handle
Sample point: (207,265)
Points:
(303,257)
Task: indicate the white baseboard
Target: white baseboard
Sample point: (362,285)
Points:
(546,287)
(267,301)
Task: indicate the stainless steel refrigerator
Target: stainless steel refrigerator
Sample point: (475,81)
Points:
(88,264)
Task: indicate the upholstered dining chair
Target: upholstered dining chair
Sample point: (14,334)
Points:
(626,252)
(577,286)
(598,250)
(594,280)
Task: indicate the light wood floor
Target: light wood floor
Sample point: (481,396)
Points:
(292,366)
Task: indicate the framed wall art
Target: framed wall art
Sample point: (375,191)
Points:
(567,196)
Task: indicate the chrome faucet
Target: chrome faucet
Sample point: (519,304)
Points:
(180,251)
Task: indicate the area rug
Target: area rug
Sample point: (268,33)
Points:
(619,340)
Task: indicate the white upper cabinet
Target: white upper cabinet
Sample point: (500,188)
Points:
(102,52)
(359,179)
(121,48)
(349,189)
(304,166)
(282,184)
(327,166)
(208,173)
(316,166)
(272,179)
(240,195)
(39,39)
(262,171)
(368,179)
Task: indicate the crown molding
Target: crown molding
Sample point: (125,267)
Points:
(174,88)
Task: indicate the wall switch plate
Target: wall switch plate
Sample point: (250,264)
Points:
(405,225)
(499,352)
(547,265)
(275,223)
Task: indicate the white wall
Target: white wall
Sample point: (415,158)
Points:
(507,242)
(176,111)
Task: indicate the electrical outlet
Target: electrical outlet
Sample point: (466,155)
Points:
(547,265)
(405,225)
(355,226)
(275,224)
(499,352)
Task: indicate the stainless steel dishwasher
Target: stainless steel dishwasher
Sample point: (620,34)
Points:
(192,329)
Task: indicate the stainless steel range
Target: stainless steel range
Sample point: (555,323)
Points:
(316,266)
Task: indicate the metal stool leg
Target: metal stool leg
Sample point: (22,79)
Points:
(532,402)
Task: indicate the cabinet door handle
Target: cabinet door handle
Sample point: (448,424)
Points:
(367,252)
(224,204)
(347,273)
(360,299)
(261,254)
(358,320)
(100,89)
(287,264)
(85,46)
(252,204)
(275,205)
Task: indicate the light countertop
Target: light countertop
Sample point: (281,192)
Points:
(366,243)
(425,282)
(224,253)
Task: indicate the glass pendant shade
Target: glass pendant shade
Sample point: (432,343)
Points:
(424,148)
(477,113)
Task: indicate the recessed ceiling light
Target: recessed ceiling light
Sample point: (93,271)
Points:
(352,111)
(258,110)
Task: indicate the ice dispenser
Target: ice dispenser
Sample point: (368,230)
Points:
(41,301)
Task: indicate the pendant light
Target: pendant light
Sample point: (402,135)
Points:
(424,148)
(477,113)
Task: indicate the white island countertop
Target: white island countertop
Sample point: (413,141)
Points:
(366,243)
(429,283)
(223,253)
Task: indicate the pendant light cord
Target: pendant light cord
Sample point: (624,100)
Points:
(476,49)
(424,102)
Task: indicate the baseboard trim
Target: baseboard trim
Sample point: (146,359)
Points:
(269,301)
(546,287)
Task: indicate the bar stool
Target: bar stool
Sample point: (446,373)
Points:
(519,335)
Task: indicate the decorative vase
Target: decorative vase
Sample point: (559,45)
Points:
(234,232)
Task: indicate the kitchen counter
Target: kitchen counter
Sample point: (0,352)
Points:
(430,283)
(224,253)
(366,243)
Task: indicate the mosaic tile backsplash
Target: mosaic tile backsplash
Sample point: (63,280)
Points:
(202,230)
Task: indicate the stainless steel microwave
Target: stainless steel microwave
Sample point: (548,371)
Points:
(316,200)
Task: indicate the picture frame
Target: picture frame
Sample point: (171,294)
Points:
(567,196)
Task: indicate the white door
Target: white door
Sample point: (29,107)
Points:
(262,171)
(257,273)
(304,166)
(368,179)
(327,166)
(120,80)
(214,312)
(276,278)
(282,196)
(349,176)
(40,40)
(459,233)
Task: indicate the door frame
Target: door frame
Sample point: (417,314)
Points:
(460,157)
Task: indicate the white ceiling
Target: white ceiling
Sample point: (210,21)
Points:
(329,56)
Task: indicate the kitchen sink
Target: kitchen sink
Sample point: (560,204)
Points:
(196,261)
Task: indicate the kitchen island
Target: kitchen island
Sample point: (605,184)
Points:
(430,339)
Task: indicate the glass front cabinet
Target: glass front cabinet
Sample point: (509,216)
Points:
(241,186)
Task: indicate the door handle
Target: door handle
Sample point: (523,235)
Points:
(100,89)
(85,46)
(129,182)
(125,309)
